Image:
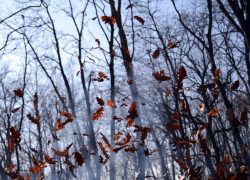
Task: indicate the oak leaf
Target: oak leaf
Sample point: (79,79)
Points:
(18,92)
(108,20)
(98,113)
(111,104)
(213,112)
(156,53)
(235,85)
(139,19)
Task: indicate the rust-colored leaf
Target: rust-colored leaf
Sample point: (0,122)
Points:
(107,142)
(168,93)
(172,45)
(160,76)
(35,169)
(131,149)
(60,125)
(111,104)
(213,112)
(130,122)
(108,20)
(18,92)
(125,140)
(173,126)
(15,134)
(62,153)
(98,42)
(33,120)
(235,85)
(156,53)
(79,158)
(130,82)
(100,101)
(11,143)
(240,154)
(139,19)
(79,71)
(182,74)
(66,114)
(176,116)
(101,77)
(48,159)
(94,18)
(98,113)
(117,135)
(9,167)
(217,72)
(181,164)
(15,110)
(126,51)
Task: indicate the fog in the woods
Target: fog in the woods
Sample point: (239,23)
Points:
(121,90)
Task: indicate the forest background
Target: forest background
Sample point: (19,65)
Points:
(124,89)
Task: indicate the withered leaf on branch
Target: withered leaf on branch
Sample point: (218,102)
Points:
(87,151)
(181,75)
(9,167)
(172,45)
(15,134)
(235,85)
(173,126)
(144,132)
(181,164)
(131,149)
(48,159)
(168,93)
(116,150)
(103,150)
(111,104)
(217,72)
(62,153)
(204,87)
(132,114)
(18,92)
(79,158)
(160,76)
(33,120)
(15,110)
(36,169)
(117,135)
(213,112)
(66,114)
(101,77)
(126,140)
(107,142)
(98,42)
(100,101)
(98,113)
(156,53)
(139,19)
(60,125)
(108,20)
(176,116)
(240,154)
(201,128)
